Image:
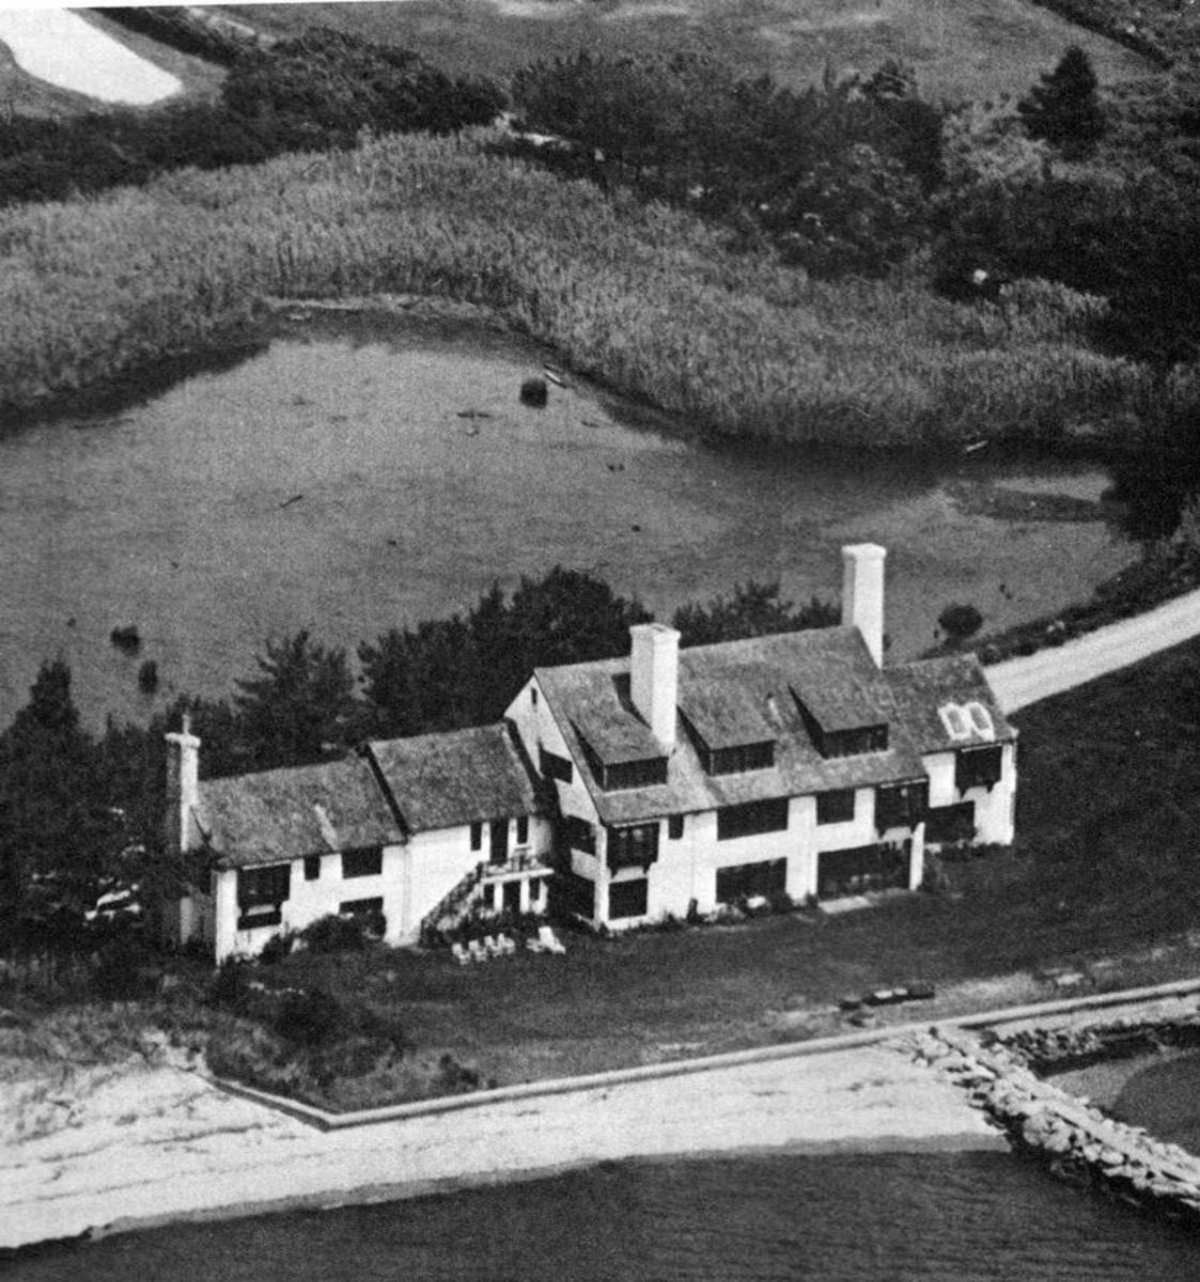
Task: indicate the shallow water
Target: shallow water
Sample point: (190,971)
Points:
(356,476)
(935,1217)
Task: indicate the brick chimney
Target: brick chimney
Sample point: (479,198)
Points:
(862,594)
(654,678)
(183,789)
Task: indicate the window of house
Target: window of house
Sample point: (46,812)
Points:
(901,805)
(835,807)
(367,862)
(675,827)
(746,756)
(950,823)
(744,881)
(978,767)
(579,834)
(260,892)
(553,766)
(634,774)
(522,829)
(533,695)
(632,847)
(752,818)
(476,836)
(312,867)
(628,898)
(360,907)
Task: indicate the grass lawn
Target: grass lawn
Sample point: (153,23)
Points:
(964,49)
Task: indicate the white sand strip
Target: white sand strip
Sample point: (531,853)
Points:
(156,1145)
(65,50)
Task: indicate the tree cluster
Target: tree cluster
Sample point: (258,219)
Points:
(834,177)
(314,92)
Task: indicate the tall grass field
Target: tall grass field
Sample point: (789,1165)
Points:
(647,299)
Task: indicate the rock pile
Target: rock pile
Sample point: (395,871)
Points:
(1076,1142)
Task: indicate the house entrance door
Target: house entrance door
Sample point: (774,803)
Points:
(499,846)
(512,896)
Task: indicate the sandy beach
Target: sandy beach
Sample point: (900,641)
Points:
(145,1145)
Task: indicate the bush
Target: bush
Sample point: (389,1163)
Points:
(311,1018)
(334,934)
(960,621)
(230,989)
(125,970)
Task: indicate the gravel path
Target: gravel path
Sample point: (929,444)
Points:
(1020,682)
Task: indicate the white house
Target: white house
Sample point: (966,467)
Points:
(395,830)
(639,786)
(793,763)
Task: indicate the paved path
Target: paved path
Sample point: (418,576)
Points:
(1020,682)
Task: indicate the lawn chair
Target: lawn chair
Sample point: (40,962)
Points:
(507,945)
(460,954)
(492,946)
(477,951)
(549,941)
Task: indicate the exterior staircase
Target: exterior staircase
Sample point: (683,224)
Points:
(450,910)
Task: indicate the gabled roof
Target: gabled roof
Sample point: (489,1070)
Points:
(465,776)
(737,687)
(278,815)
(924,687)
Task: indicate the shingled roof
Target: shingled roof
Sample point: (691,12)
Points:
(465,776)
(923,687)
(279,815)
(741,692)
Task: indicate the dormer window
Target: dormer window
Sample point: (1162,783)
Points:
(843,741)
(732,761)
(615,776)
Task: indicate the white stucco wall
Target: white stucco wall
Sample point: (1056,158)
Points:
(994,808)
(536,726)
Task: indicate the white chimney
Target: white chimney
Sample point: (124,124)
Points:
(183,788)
(654,678)
(862,594)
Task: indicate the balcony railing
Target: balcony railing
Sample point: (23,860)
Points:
(522,860)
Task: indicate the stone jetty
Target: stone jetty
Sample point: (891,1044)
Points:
(1076,1142)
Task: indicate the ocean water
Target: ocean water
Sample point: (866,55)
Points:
(939,1217)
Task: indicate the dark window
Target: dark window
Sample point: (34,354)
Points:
(312,867)
(533,695)
(950,823)
(752,818)
(851,872)
(627,899)
(522,829)
(476,836)
(360,907)
(265,885)
(555,767)
(835,807)
(901,805)
(747,756)
(744,881)
(498,842)
(367,862)
(978,767)
(675,827)
(633,847)
(843,743)
(260,893)
(579,834)
(634,774)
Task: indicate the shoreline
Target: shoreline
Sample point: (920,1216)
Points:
(195,1152)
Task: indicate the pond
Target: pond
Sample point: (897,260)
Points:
(362,472)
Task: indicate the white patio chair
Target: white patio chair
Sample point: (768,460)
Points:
(549,940)
(460,954)
(477,951)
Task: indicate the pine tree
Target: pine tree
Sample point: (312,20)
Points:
(1064,108)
